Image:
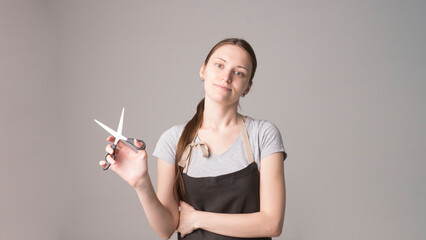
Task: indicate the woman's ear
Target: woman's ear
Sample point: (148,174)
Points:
(203,67)
(248,88)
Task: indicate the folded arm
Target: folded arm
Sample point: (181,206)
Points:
(267,222)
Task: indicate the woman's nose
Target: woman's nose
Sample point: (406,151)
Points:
(227,76)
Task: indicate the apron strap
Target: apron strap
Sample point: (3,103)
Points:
(187,153)
(246,141)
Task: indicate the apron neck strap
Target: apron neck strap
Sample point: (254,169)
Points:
(246,141)
(187,155)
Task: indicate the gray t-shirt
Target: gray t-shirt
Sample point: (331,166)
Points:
(264,137)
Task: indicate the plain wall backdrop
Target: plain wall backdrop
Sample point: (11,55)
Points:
(344,81)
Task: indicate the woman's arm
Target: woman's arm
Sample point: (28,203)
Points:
(267,222)
(161,209)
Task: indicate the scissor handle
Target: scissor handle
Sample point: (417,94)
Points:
(113,157)
(131,141)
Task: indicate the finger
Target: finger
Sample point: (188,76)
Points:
(110,139)
(119,144)
(102,163)
(110,159)
(109,149)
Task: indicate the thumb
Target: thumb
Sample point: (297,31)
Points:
(137,143)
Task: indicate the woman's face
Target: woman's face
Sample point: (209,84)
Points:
(227,74)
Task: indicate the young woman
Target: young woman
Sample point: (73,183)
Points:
(221,174)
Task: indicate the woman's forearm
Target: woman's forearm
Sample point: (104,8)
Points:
(258,224)
(159,217)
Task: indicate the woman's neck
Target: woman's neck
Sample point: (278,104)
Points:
(217,116)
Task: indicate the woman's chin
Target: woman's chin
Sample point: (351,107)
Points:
(222,99)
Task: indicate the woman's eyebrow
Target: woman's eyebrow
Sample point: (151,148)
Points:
(243,68)
(220,59)
(226,61)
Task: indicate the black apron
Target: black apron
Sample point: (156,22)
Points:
(236,192)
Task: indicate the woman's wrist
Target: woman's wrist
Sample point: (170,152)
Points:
(198,216)
(143,182)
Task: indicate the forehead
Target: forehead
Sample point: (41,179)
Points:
(234,55)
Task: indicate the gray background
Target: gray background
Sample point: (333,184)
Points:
(343,81)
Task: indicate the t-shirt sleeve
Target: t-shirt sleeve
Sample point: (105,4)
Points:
(270,140)
(166,145)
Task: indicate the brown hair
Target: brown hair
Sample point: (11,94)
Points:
(194,124)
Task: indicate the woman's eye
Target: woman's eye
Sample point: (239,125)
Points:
(219,65)
(240,74)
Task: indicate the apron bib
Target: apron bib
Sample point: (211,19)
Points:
(236,192)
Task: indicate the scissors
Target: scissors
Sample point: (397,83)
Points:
(118,136)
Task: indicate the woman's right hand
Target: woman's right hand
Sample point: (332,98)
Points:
(130,165)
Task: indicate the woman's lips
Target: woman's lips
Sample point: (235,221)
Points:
(224,88)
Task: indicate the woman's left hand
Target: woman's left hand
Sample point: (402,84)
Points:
(187,219)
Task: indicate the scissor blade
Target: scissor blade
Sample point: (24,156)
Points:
(120,124)
(112,132)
